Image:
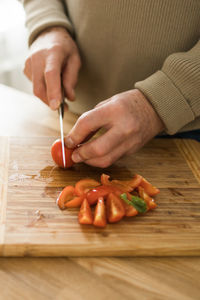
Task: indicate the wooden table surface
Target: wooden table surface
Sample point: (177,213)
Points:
(84,278)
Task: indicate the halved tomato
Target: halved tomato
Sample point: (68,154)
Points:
(56,153)
(115,208)
(83,186)
(68,198)
(85,213)
(148,187)
(100,213)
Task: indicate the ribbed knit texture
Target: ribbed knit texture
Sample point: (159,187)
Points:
(152,45)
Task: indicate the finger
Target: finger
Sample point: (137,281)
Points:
(70,76)
(100,146)
(28,69)
(108,159)
(39,87)
(86,124)
(52,75)
(102,103)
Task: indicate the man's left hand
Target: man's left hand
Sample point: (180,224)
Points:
(130,121)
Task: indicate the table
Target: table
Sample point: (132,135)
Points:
(148,278)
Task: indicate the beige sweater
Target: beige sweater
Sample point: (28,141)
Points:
(152,45)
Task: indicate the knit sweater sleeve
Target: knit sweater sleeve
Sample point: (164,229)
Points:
(174,91)
(43,14)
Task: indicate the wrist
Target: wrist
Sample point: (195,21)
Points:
(52,29)
(156,124)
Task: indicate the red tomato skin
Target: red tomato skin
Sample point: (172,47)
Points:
(83,186)
(85,213)
(130,211)
(149,188)
(68,199)
(99,191)
(66,195)
(75,202)
(122,185)
(149,201)
(100,214)
(115,208)
(56,153)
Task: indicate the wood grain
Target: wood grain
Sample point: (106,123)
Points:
(4,160)
(36,227)
(191,152)
(152,278)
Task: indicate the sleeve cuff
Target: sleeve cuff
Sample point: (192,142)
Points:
(44,21)
(167,100)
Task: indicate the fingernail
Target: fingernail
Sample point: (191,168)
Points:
(76,157)
(54,104)
(69,142)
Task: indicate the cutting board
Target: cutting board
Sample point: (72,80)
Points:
(32,225)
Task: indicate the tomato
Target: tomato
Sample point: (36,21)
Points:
(149,188)
(149,201)
(100,213)
(135,181)
(123,185)
(67,198)
(105,179)
(130,211)
(56,153)
(99,191)
(83,186)
(85,213)
(115,208)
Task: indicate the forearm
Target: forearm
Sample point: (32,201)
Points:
(174,91)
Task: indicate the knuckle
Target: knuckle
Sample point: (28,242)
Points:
(83,120)
(49,73)
(96,151)
(34,55)
(54,48)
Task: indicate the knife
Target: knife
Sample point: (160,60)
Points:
(61,116)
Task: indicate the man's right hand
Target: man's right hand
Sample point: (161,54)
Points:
(53,53)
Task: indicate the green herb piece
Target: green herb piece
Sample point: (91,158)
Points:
(139,204)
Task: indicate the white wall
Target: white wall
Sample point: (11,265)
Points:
(13,45)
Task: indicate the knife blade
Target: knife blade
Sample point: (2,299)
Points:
(61,116)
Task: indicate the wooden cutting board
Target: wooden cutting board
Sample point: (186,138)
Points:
(32,225)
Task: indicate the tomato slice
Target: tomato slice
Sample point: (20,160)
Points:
(135,181)
(105,179)
(130,210)
(100,213)
(149,188)
(85,213)
(83,186)
(149,201)
(99,191)
(67,198)
(115,208)
(56,153)
(123,185)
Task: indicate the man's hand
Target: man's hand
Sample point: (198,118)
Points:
(130,121)
(53,53)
